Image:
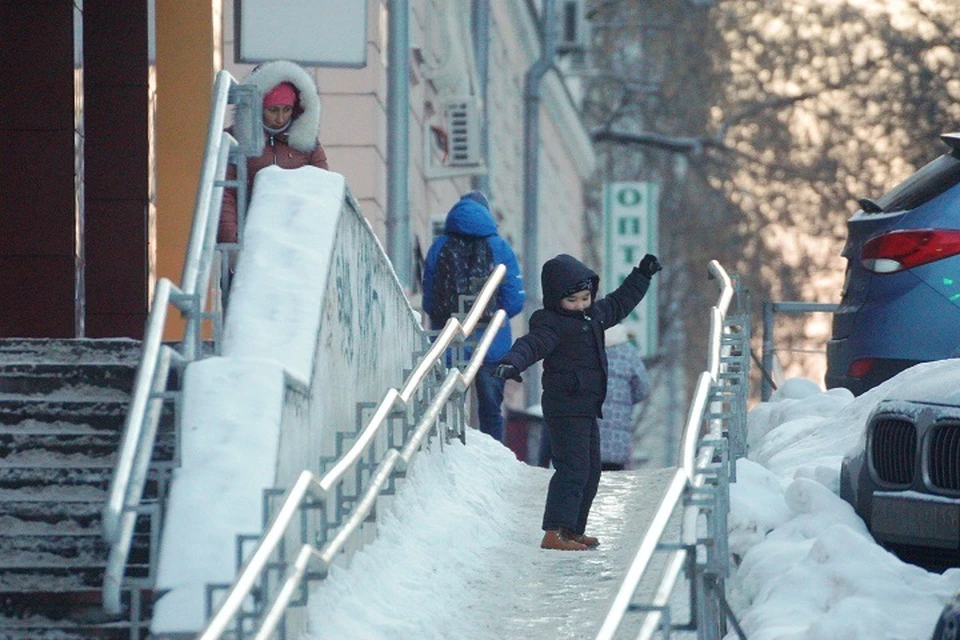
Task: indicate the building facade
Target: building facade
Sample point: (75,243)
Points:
(103,119)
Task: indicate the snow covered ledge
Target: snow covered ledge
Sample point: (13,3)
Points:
(317,322)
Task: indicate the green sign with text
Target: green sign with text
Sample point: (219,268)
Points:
(630,223)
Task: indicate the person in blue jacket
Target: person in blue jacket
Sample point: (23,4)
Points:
(471,216)
(568,335)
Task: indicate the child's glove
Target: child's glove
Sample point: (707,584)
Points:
(649,265)
(507,371)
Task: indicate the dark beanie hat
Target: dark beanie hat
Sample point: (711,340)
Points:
(583,285)
(476,196)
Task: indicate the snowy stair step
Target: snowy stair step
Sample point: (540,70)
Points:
(42,552)
(34,416)
(93,379)
(58,428)
(56,447)
(66,630)
(61,616)
(53,519)
(59,577)
(67,483)
(97,413)
(70,350)
(40,518)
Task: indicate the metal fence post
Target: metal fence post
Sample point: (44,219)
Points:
(766,387)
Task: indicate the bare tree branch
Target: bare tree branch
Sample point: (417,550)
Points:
(754,109)
(675,144)
(697,144)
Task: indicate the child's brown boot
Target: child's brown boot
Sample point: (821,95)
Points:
(582,538)
(553,539)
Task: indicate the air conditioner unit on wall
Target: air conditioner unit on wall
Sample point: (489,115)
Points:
(464,130)
(452,144)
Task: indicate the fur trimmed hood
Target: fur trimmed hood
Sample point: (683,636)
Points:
(303,131)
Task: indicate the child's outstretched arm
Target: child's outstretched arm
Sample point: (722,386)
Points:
(535,345)
(616,306)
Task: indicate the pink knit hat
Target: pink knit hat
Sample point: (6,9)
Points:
(283,93)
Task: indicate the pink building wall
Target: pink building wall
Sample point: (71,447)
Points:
(354,130)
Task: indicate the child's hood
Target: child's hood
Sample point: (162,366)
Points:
(561,273)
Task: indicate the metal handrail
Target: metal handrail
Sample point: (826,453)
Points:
(394,460)
(147,397)
(621,602)
(451,330)
(689,477)
(717,272)
(678,558)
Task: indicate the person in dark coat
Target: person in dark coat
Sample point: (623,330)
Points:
(471,216)
(568,335)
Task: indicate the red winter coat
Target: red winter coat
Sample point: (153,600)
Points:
(275,151)
(296,147)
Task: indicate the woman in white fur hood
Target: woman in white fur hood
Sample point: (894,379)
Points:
(291,123)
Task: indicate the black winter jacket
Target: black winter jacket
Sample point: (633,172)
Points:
(570,343)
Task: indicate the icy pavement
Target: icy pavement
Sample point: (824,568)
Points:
(458,557)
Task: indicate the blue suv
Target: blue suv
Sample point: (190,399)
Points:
(900,302)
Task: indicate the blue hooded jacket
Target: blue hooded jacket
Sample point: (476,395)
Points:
(470,218)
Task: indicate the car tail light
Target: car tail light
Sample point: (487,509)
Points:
(861,367)
(899,250)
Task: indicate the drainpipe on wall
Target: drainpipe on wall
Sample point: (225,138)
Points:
(531,172)
(531,156)
(399,244)
(481,48)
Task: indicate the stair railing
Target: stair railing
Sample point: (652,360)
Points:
(310,492)
(699,489)
(196,292)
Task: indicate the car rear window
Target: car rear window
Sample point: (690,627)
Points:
(926,184)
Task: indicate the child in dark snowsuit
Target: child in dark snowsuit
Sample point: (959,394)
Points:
(567,334)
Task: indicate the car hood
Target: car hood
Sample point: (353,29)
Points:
(934,383)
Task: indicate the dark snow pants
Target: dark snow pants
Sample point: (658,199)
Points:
(575,448)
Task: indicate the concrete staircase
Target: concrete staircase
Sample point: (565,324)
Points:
(62,407)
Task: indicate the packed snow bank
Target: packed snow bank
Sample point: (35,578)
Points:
(809,568)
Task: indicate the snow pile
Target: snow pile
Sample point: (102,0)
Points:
(809,568)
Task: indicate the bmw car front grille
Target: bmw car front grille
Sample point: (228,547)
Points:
(943,457)
(893,451)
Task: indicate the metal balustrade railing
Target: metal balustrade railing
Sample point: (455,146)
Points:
(197,298)
(714,437)
(255,605)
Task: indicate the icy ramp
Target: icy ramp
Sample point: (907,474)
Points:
(565,594)
(457,555)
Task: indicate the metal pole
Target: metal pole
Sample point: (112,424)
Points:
(398,143)
(765,387)
(531,172)
(481,49)
(672,371)
(531,157)
(770,309)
